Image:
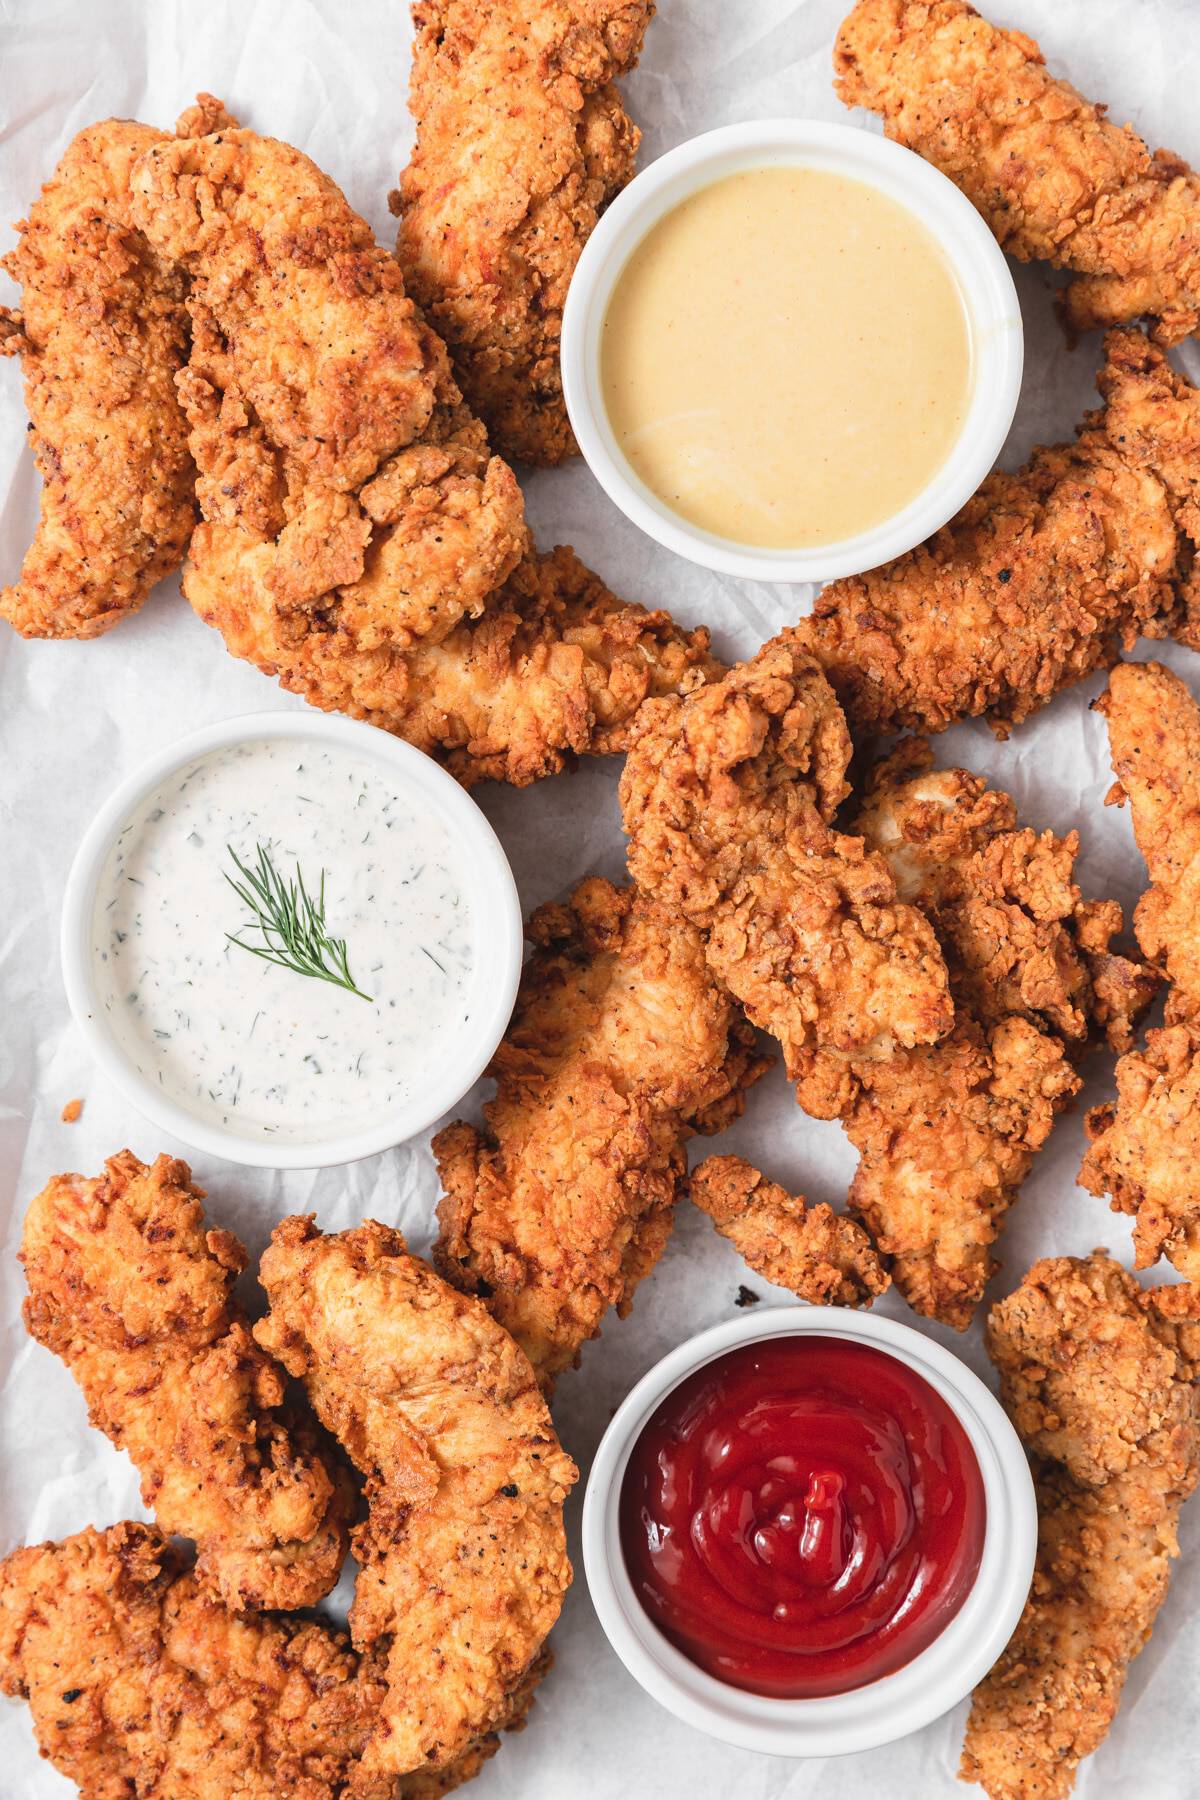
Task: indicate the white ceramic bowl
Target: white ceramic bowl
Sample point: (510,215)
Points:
(497,965)
(966,242)
(883,1710)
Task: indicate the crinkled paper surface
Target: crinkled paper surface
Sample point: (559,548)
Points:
(330,75)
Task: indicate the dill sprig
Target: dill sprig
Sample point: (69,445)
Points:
(290,922)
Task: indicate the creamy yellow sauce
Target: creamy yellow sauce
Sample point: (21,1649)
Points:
(786,358)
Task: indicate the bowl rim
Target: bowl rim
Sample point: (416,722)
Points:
(965,240)
(498,926)
(880,1711)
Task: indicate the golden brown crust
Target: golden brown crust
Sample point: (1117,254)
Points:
(135,1295)
(463,1555)
(102,332)
(359,540)
(1144,1146)
(343,377)
(1098,1378)
(826,1260)
(727,797)
(521,143)
(1040,580)
(1154,738)
(621,1045)
(1052,176)
(558,667)
(947,1132)
(138,1683)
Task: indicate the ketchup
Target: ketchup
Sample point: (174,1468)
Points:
(802,1516)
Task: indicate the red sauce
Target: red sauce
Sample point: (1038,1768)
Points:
(802,1516)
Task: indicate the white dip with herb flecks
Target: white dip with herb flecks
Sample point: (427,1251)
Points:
(234,1038)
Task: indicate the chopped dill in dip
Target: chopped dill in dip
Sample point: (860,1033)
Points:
(265,1050)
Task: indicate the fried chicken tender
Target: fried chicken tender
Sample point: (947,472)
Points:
(1098,1378)
(1054,179)
(135,1295)
(1144,1147)
(1154,734)
(102,332)
(727,797)
(1036,583)
(345,375)
(621,1046)
(463,1554)
(827,1260)
(947,1132)
(521,143)
(558,667)
(354,519)
(141,1684)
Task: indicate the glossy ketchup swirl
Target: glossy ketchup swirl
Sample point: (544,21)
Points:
(802,1516)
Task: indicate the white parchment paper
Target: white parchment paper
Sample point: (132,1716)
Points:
(330,75)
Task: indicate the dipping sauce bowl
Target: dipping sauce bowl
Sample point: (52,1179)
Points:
(914,436)
(809,1533)
(393,892)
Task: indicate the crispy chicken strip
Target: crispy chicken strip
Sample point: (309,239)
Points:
(1035,584)
(556,668)
(1144,1147)
(947,1132)
(620,1048)
(141,1684)
(827,1260)
(1098,1378)
(463,1555)
(354,520)
(329,354)
(727,798)
(333,448)
(135,1295)
(1154,736)
(1052,176)
(102,332)
(521,143)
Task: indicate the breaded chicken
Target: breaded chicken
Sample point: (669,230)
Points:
(621,1046)
(102,333)
(1052,176)
(1154,736)
(140,1684)
(947,1132)
(355,522)
(558,667)
(135,1294)
(463,1555)
(521,142)
(332,445)
(1144,1146)
(346,375)
(1040,579)
(1098,1378)
(1152,418)
(727,798)
(827,1260)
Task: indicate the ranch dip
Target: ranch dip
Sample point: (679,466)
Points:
(263,1050)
